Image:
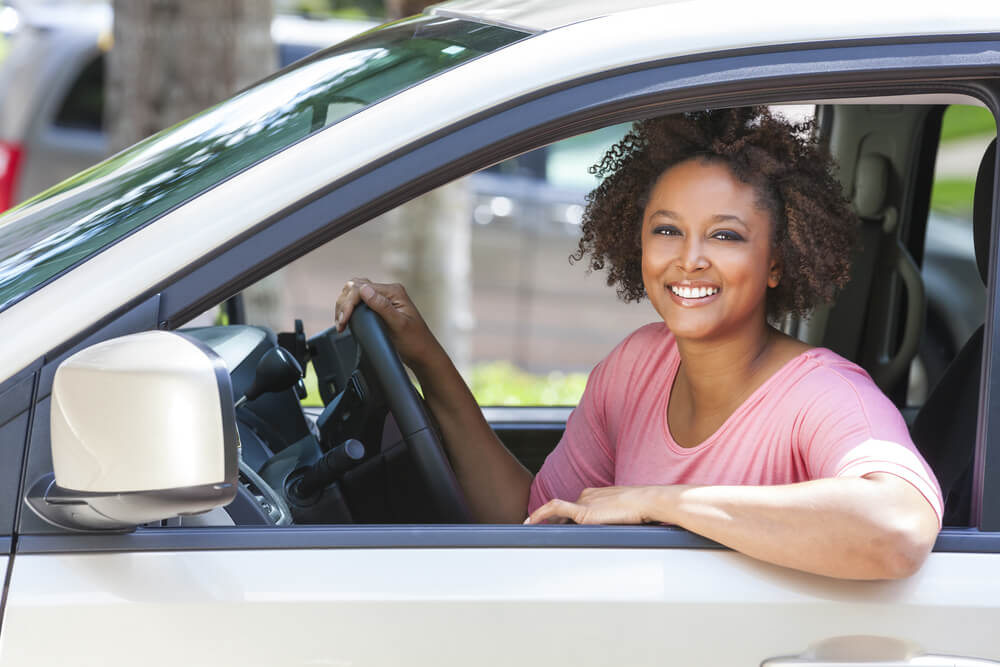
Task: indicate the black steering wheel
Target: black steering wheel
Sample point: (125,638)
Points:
(411,416)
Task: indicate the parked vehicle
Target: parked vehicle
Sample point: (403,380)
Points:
(367,558)
(52,88)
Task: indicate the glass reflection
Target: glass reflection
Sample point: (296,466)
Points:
(82,215)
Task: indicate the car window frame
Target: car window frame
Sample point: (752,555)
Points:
(887,67)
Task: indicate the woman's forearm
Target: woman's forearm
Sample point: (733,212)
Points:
(495,483)
(874,527)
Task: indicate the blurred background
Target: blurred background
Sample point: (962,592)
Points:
(485,258)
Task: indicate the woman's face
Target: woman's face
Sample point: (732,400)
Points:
(707,257)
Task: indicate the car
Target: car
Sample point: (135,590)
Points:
(165,498)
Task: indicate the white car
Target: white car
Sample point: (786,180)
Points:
(344,538)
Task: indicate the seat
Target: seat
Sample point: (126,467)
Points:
(945,427)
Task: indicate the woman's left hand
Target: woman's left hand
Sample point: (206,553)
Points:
(610,504)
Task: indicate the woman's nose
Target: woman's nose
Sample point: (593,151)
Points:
(693,256)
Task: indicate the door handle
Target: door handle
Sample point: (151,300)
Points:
(872,651)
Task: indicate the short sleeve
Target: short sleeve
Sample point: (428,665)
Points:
(851,429)
(584,457)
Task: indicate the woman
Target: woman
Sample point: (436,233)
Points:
(712,419)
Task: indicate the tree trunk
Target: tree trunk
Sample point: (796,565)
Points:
(427,249)
(174,58)
(428,245)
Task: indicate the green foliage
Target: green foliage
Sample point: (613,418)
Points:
(341,9)
(312,398)
(966,121)
(501,383)
(953,196)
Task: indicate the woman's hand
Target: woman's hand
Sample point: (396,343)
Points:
(495,482)
(407,329)
(610,504)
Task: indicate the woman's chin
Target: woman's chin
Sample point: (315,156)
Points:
(686,329)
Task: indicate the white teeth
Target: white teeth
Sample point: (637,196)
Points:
(693,292)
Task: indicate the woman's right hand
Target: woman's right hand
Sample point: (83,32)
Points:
(407,330)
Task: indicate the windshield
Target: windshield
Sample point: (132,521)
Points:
(75,219)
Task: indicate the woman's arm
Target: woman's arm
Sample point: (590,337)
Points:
(873,527)
(495,483)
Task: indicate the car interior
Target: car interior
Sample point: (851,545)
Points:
(371,452)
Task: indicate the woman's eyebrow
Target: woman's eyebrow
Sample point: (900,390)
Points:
(718,217)
(722,217)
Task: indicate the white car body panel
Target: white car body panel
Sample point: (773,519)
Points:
(475,606)
(725,24)
(62,309)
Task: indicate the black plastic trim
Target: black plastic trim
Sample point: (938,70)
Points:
(986,467)
(951,540)
(967,540)
(529,426)
(224,383)
(370,537)
(17,396)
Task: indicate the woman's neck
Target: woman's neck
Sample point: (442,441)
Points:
(719,374)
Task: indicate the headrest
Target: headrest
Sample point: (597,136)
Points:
(982,208)
(871,183)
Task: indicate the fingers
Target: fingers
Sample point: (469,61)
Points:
(378,300)
(361,290)
(349,298)
(554,510)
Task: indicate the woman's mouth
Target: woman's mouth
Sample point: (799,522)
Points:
(687,292)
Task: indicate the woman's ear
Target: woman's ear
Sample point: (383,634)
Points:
(774,274)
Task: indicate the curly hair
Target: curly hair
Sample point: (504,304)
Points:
(813,225)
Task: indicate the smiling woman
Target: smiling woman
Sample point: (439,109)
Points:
(712,419)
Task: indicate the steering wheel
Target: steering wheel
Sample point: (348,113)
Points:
(411,416)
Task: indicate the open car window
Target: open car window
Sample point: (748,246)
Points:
(485,258)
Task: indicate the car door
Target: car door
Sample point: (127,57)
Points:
(432,594)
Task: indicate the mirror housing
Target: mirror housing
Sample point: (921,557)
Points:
(142,429)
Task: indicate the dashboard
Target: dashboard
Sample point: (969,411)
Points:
(348,463)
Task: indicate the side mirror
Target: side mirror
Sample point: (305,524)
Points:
(142,429)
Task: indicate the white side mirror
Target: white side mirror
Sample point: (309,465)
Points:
(143,429)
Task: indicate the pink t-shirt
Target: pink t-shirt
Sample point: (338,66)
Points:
(818,416)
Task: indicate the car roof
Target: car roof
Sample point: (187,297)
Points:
(853,18)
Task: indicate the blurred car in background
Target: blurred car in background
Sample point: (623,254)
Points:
(52,87)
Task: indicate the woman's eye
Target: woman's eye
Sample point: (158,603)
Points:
(726,235)
(666,230)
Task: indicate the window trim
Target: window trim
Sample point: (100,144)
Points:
(951,540)
(986,465)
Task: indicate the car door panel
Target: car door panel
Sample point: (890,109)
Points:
(484,606)
(529,432)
